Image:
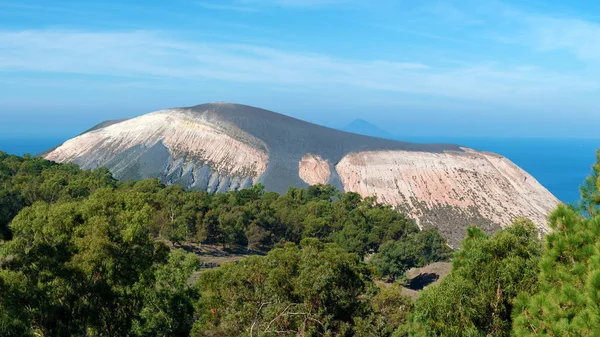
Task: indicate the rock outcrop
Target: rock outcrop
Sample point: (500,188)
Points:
(174,145)
(450,190)
(314,170)
(220,147)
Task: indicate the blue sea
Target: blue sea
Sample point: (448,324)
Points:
(560,165)
(33,146)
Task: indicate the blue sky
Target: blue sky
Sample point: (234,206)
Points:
(524,68)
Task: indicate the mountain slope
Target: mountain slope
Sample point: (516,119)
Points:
(221,146)
(362,127)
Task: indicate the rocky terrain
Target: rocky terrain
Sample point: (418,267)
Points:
(437,188)
(221,146)
(176,145)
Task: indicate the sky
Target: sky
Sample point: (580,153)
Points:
(479,68)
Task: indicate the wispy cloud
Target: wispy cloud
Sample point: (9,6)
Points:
(537,31)
(146,56)
(578,37)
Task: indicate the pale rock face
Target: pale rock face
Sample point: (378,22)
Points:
(471,184)
(200,148)
(313,169)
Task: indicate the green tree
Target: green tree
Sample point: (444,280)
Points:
(315,289)
(81,257)
(395,258)
(168,304)
(14,318)
(477,298)
(85,267)
(25,180)
(10,205)
(416,250)
(567,303)
(390,310)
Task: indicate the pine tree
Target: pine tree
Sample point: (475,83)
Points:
(567,303)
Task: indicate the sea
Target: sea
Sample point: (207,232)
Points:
(561,165)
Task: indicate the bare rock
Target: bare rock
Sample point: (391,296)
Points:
(474,187)
(313,169)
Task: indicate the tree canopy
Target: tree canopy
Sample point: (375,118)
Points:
(488,273)
(312,290)
(83,254)
(567,303)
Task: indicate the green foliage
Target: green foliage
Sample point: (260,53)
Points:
(390,309)
(168,308)
(314,290)
(416,250)
(83,256)
(590,196)
(488,273)
(567,303)
(251,218)
(14,320)
(89,267)
(26,180)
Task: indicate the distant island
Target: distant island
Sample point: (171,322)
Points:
(362,127)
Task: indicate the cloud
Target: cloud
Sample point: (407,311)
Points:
(152,57)
(538,31)
(575,36)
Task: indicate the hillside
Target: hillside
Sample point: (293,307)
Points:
(221,146)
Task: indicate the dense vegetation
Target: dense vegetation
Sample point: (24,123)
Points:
(488,273)
(83,255)
(252,218)
(568,300)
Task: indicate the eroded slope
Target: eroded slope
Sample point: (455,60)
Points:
(173,145)
(450,190)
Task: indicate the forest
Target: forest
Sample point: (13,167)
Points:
(82,254)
